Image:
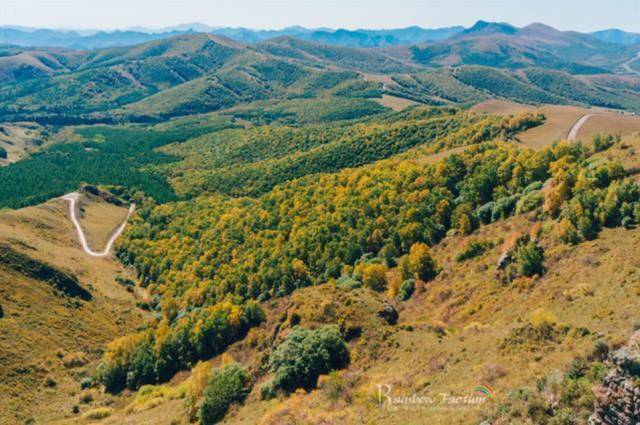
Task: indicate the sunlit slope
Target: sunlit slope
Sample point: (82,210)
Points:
(60,306)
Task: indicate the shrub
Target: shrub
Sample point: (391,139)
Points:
(99,413)
(406,290)
(485,212)
(504,207)
(405,267)
(524,259)
(463,220)
(567,232)
(529,257)
(604,142)
(334,386)
(473,249)
(374,276)
(227,385)
(3,153)
(421,263)
(305,355)
(529,202)
(348,283)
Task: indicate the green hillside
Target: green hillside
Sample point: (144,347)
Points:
(300,233)
(468,85)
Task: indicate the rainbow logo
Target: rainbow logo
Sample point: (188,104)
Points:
(485,390)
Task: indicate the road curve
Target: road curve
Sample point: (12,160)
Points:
(627,65)
(73,199)
(573,133)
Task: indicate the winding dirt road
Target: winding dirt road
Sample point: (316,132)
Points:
(73,199)
(573,133)
(627,65)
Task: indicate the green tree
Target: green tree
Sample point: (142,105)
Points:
(229,384)
(305,355)
(421,262)
(374,276)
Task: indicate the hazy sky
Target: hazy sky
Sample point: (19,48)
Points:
(582,15)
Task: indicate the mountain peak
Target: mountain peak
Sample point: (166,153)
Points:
(487,28)
(539,29)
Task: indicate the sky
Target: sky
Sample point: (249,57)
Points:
(579,15)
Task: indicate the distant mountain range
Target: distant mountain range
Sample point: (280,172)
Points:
(536,45)
(202,72)
(94,39)
(33,37)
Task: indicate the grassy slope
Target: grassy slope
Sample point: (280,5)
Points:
(19,140)
(469,85)
(42,330)
(99,221)
(458,322)
(560,119)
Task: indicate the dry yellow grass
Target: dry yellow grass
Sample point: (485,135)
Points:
(99,221)
(560,120)
(41,329)
(395,103)
(502,107)
(19,140)
(623,124)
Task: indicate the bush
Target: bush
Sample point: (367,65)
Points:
(604,142)
(374,276)
(421,263)
(86,383)
(473,249)
(529,258)
(3,153)
(307,354)
(227,385)
(406,290)
(529,202)
(348,283)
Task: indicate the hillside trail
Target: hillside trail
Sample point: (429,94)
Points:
(627,65)
(573,133)
(73,199)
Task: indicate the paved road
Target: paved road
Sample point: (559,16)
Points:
(73,199)
(573,133)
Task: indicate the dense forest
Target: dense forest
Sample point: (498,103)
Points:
(105,155)
(355,224)
(270,156)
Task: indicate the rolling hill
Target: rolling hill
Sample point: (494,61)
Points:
(320,227)
(536,45)
(467,85)
(200,73)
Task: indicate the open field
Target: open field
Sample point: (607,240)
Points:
(560,120)
(396,103)
(18,140)
(624,125)
(99,220)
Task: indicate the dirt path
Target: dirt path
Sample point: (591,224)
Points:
(73,199)
(573,133)
(627,65)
